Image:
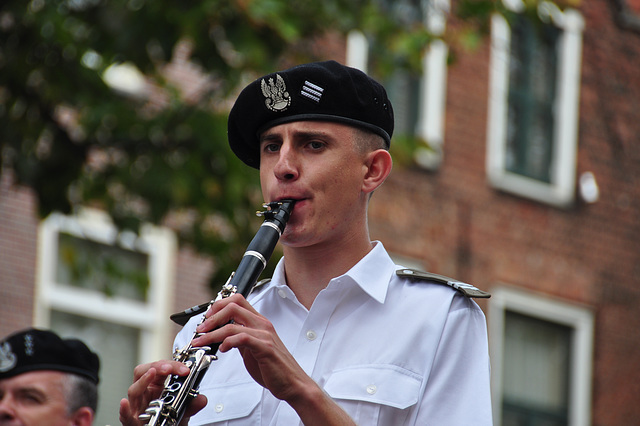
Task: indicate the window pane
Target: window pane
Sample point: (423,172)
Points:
(117,347)
(109,269)
(536,371)
(532,76)
(403,88)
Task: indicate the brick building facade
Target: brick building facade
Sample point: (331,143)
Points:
(451,220)
(588,254)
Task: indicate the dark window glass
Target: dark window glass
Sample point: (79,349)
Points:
(536,375)
(532,96)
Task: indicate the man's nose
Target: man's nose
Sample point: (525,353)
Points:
(287,168)
(6,408)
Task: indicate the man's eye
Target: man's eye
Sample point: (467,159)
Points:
(31,398)
(316,145)
(271,147)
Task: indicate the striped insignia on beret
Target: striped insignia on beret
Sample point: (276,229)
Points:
(312,91)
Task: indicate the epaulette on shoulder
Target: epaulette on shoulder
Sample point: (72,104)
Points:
(466,289)
(182,317)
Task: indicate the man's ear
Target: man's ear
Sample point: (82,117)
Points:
(379,164)
(82,417)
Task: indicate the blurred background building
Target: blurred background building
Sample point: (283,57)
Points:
(528,186)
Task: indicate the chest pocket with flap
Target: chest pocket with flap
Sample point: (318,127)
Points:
(379,387)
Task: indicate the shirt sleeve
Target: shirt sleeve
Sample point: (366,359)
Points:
(458,388)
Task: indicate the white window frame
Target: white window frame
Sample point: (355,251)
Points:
(432,102)
(579,318)
(150,317)
(561,191)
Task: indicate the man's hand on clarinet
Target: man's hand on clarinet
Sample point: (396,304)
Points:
(148,383)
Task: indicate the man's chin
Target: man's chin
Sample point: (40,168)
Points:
(291,238)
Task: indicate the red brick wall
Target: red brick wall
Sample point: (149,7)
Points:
(192,281)
(18,245)
(589,254)
(610,129)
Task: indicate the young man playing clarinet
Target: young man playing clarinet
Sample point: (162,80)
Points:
(340,335)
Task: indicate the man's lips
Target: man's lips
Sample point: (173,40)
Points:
(299,202)
(296,199)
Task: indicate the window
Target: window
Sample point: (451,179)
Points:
(418,100)
(536,393)
(628,14)
(111,290)
(530,122)
(533,104)
(541,352)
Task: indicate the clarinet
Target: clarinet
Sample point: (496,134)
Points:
(178,391)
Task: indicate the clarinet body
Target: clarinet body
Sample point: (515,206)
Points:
(178,391)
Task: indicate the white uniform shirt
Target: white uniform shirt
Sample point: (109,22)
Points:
(388,350)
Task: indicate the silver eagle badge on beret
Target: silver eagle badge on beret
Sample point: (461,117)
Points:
(7,358)
(275,92)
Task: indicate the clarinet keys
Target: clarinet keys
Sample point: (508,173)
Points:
(178,391)
(152,411)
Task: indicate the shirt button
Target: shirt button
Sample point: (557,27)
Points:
(219,408)
(282,293)
(311,335)
(371,389)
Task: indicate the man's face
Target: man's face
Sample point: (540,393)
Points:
(318,165)
(36,398)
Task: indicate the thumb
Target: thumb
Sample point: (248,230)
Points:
(198,403)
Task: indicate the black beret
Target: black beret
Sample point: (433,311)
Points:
(321,91)
(34,350)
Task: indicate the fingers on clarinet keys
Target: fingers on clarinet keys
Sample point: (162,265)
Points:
(154,408)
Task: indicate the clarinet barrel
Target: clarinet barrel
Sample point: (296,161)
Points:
(261,246)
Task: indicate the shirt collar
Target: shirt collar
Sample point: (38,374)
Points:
(372,273)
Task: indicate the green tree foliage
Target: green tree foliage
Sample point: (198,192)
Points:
(160,155)
(76,141)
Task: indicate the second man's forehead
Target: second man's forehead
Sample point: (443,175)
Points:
(36,380)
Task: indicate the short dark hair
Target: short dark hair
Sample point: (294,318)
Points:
(80,392)
(367,141)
